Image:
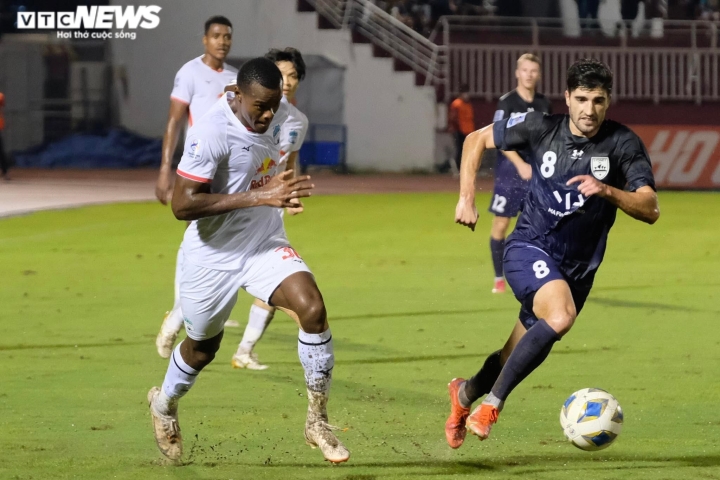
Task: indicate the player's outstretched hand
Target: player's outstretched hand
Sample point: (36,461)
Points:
(163,188)
(589,185)
(466,214)
(297,209)
(282,189)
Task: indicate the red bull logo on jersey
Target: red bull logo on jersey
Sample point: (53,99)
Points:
(267,165)
(266,171)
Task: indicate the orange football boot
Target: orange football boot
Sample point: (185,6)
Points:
(455,429)
(482,419)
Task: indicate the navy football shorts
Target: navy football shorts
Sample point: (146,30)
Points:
(509,191)
(527,268)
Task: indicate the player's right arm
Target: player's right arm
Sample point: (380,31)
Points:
(473,148)
(180,99)
(193,200)
(176,119)
(508,134)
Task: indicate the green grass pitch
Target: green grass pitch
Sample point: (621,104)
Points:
(408,295)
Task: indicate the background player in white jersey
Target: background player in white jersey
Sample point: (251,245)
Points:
(228,185)
(198,85)
(292,135)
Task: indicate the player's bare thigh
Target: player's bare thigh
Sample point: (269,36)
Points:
(299,297)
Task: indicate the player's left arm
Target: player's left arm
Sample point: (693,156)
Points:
(642,204)
(640,201)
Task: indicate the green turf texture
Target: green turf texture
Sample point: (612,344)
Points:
(409,302)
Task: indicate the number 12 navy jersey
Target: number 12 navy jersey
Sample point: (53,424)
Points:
(556,218)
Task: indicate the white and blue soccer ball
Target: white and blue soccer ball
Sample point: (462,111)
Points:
(591,419)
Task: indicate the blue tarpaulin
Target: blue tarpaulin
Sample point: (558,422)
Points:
(112,149)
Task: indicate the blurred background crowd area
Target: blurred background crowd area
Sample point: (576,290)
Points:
(423,15)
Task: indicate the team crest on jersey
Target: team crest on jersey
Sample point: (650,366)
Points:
(600,167)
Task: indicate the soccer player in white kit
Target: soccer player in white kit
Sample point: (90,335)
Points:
(228,186)
(198,85)
(292,135)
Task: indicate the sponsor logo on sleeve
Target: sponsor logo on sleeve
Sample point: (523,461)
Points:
(499,114)
(195,148)
(293,137)
(516,118)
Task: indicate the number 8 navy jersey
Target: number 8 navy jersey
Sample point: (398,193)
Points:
(556,218)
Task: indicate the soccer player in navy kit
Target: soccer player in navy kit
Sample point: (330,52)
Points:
(584,169)
(512,174)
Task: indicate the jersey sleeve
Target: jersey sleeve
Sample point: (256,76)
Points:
(635,164)
(294,131)
(502,111)
(204,148)
(183,87)
(517,132)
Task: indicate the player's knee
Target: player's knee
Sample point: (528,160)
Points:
(562,321)
(313,316)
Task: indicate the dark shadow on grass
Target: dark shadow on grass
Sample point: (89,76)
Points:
(524,465)
(611,302)
(115,343)
(428,313)
(429,358)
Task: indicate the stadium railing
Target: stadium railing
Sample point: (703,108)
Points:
(684,65)
(382,29)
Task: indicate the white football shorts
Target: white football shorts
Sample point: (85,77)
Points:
(208,296)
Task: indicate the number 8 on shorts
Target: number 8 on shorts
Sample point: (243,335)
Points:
(541,269)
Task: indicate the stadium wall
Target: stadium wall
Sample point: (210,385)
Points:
(390,121)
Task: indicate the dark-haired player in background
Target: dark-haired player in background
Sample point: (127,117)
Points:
(229,186)
(292,136)
(512,175)
(198,85)
(584,169)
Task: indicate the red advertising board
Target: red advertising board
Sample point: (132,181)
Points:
(683,156)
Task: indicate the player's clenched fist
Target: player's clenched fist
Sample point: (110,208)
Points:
(466,213)
(283,188)
(588,186)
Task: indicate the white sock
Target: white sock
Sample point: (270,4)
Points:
(318,359)
(258,321)
(179,378)
(174,321)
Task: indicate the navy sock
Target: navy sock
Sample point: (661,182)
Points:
(481,383)
(529,353)
(497,248)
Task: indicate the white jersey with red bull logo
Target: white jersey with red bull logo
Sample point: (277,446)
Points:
(199,86)
(221,151)
(292,133)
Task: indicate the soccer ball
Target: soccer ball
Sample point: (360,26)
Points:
(591,419)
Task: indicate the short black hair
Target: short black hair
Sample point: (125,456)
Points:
(288,55)
(589,74)
(259,70)
(217,19)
